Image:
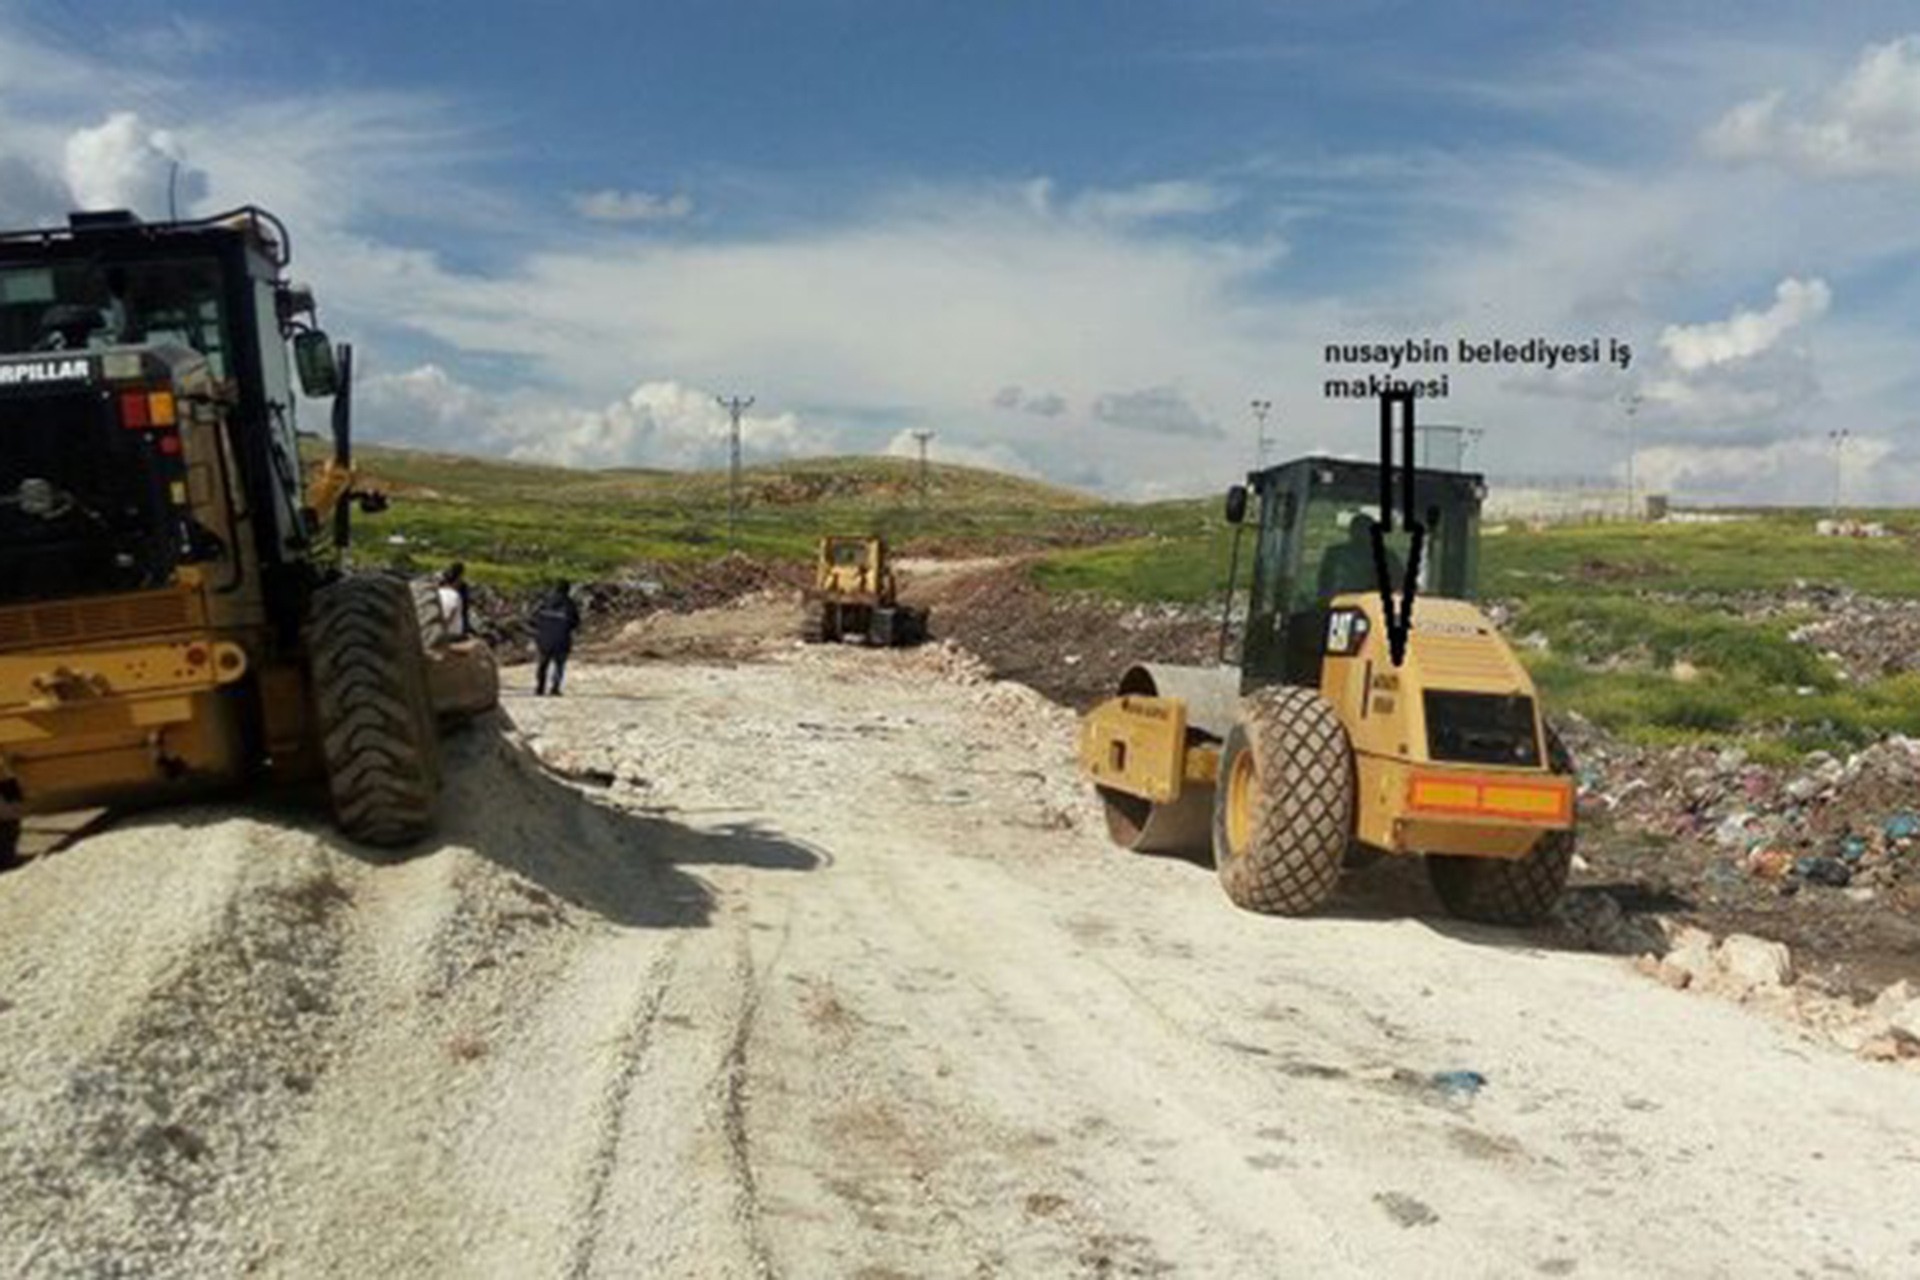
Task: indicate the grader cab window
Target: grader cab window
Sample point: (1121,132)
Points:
(90,305)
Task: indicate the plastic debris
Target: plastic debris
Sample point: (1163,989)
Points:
(1460,1085)
(1830,872)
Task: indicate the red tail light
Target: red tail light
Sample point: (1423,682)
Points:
(148,410)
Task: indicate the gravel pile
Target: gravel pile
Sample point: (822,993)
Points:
(146,1155)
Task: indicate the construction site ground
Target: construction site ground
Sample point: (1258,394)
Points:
(748,958)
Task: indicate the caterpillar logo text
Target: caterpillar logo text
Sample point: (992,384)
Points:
(43,371)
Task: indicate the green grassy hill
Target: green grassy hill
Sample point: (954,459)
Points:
(518,523)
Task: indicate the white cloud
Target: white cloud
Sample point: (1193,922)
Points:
(1041,404)
(1746,333)
(1799,471)
(1157,410)
(656,424)
(669,424)
(920,307)
(632,206)
(125,164)
(1151,201)
(31,194)
(1866,124)
(427,407)
(173,38)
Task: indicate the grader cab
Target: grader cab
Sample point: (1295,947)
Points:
(1319,749)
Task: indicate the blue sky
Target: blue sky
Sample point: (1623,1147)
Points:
(1073,239)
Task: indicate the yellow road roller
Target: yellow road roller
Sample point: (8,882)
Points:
(1319,750)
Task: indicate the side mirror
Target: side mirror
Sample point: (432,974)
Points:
(319,369)
(1236,504)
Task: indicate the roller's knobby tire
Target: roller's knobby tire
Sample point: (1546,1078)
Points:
(378,735)
(1282,854)
(9,843)
(1509,891)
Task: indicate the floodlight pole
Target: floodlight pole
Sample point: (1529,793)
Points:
(1261,408)
(1632,402)
(735,406)
(1839,438)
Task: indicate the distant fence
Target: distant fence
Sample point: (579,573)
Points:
(1563,501)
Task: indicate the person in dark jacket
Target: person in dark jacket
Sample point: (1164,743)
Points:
(554,622)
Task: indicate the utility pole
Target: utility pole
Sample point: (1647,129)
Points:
(1261,408)
(735,406)
(1839,438)
(1632,402)
(922,437)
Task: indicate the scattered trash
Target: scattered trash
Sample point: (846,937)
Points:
(1458,1085)
(1831,872)
(1850,529)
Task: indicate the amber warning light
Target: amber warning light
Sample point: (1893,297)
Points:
(148,410)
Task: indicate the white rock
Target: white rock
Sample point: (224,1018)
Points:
(1691,952)
(1901,1008)
(1896,996)
(1752,962)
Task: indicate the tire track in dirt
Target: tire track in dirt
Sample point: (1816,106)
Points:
(735,1070)
(637,1041)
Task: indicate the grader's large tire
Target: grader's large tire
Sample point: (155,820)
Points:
(1283,807)
(1509,891)
(378,735)
(9,843)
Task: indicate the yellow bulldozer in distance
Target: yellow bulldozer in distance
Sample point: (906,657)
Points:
(1318,751)
(854,594)
(175,617)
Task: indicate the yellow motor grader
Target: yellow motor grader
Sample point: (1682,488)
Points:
(1320,749)
(175,614)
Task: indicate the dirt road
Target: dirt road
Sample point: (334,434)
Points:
(820,966)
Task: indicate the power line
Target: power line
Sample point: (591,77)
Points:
(735,406)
